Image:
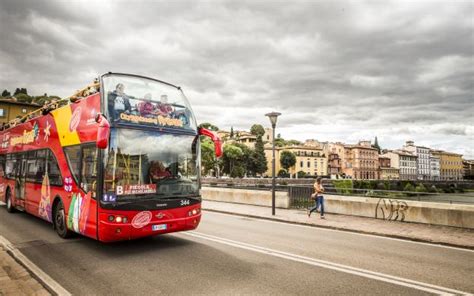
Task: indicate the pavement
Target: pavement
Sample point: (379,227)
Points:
(435,234)
(15,279)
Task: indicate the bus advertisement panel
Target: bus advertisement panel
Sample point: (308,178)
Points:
(120,161)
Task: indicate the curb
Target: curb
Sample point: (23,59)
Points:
(414,239)
(45,280)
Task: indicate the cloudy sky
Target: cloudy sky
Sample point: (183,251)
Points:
(336,70)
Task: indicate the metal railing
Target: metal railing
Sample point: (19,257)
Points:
(300,196)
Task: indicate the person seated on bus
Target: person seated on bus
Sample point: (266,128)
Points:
(119,102)
(146,108)
(158,171)
(164,108)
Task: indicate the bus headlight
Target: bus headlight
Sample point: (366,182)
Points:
(118,219)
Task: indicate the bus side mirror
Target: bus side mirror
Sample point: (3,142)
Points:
(217,141)
(103,131)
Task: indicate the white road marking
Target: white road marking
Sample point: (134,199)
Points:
(264,219)
(330,265)
(52,285)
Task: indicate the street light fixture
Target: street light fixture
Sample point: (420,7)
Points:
(273,119)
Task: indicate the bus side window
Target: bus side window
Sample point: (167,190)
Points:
(53,170)
(31,166)
(10,166)
(89,168)
(2,165)
(41,165)
(73,155)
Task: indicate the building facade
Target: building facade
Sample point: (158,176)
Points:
(468,165)
(11,109)
(386,171)
(423,159)
(405,162)
(310,160)
(362,161)
(435,173)
(451,165)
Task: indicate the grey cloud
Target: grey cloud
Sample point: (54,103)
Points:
(360,66)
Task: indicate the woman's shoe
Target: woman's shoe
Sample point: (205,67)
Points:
(322,217)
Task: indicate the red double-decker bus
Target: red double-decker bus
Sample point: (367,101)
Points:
(121,160)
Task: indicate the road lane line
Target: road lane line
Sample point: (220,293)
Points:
(343,231)
(330,265)
(50,284)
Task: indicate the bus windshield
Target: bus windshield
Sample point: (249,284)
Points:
(136,100)
(145,164)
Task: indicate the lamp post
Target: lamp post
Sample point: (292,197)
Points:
(273,119)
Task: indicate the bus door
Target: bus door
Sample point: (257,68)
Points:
(20,181)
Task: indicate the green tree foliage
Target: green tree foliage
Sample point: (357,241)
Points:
(301,174)
(376,145)
(258,159)
(279,142)
(287,159)
(257,130)
(6,93)
(208,159)
(283,174)
(20,91)
(24,98)
(233,161)
(409,187)
(231,132)
(209,126)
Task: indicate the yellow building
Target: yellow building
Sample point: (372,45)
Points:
(310,160)
(10,109)
(451,166)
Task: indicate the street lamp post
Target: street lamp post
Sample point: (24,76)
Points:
(273,119)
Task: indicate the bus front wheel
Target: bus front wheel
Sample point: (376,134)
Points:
(8,200)
(60,221)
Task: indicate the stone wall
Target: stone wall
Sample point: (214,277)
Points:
(380,208)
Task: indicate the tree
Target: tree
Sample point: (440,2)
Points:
(231,132)
(376,145)
(232,156)
(208,158)
(259,161)
(21,97)
(20,91)
(287,159)
(279,142)
(209,126)
(283,174)
(301,174)
(6,93)
(257,130)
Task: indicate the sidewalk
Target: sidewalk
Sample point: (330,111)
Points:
(15,279)
(451,236)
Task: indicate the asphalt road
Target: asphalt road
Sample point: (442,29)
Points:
(230,255)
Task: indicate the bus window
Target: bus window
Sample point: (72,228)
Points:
(73,156)
(10,166)
(89,168)
(2,165)
(53,170)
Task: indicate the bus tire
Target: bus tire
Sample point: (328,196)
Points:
(9,202)
(59,221)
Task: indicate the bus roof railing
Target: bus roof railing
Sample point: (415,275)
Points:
(54,104)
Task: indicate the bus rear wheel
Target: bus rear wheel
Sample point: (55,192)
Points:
(60,221)
(9,202)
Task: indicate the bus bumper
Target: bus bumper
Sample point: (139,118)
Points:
(110,231)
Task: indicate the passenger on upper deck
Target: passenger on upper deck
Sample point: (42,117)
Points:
(164,109)
(146,108)
(118,102)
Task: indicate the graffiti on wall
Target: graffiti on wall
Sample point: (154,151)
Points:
(391,210)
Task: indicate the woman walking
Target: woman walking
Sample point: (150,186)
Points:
(319,199)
